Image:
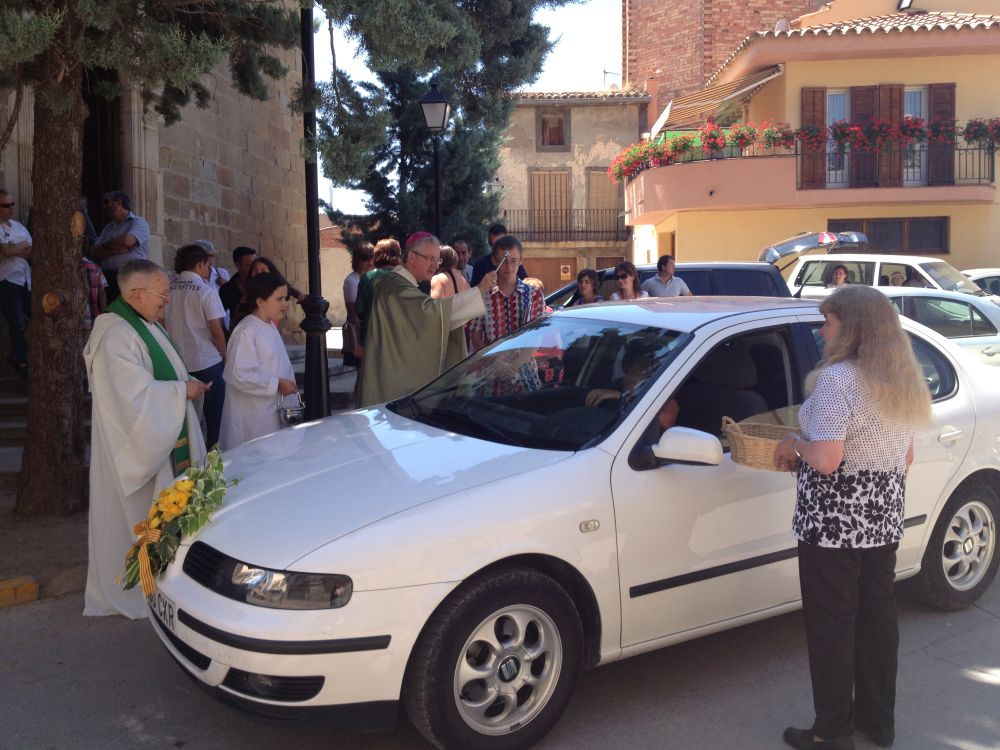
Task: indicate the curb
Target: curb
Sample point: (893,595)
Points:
(18,591)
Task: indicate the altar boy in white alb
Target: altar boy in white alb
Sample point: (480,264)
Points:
(144,428)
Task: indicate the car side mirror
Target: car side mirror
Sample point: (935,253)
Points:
(689,446)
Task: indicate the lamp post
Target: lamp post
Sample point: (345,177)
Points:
(436,110)
(315,323)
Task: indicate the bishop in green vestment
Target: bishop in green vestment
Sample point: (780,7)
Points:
(408,338)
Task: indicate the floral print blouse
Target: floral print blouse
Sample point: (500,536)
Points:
(861,503)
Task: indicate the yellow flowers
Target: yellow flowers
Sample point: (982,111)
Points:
(171,502)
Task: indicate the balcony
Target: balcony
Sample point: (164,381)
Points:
(567,225)
(758,178)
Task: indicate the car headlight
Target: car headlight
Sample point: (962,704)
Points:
(282,589)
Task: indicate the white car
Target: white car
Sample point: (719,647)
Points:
(972,323)
(986,278)
(467,550)
(812,275)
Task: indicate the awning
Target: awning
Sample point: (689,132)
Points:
(687,110)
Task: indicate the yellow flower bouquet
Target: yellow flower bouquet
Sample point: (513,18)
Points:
(181,509)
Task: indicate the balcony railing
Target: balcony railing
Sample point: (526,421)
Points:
(898,166)
(567,225)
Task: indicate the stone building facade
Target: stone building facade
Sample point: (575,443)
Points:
(557,196)
(232,173)
(672,47)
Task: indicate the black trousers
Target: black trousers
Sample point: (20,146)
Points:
(15,303)
(852,632)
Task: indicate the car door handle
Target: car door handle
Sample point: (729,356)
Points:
(949,435)
(989,351)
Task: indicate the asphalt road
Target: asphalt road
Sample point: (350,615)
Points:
(73,682)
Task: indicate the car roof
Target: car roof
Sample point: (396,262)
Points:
(909,291)
(873,257)
(982,272)
(686,313)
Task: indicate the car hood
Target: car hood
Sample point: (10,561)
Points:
(303,487)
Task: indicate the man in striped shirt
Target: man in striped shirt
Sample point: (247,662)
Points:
(512,303)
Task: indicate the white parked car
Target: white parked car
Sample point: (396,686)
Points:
(986,278)
(467,550)
(812,275)
(972,323)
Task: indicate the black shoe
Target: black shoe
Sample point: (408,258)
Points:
(881,736)
(20,366)
(804,739)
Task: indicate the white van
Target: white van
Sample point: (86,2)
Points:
(812,275)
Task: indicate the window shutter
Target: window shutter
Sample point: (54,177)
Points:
(941,158)
(890,158)
(550,202)
(864,107)
(813,163)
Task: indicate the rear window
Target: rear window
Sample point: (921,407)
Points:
(699,282)
(745,282)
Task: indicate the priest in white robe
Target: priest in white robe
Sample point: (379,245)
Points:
(142,398)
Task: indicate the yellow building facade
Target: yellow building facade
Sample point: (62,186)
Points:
(729,209)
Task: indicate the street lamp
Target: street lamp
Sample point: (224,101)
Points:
(437,110)
(315,323)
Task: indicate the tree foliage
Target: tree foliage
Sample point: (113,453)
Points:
(162,47)
(372,135)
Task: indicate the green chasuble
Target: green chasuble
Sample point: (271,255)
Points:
(408,338)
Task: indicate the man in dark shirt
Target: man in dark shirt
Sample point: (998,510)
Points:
(231,293)
(492,261)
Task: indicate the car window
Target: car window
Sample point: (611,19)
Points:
(750,376)
(563,297)
(948,277)
(901,274)
(937,370)
(951,318)
(699,282)
(938,373)
(557,383)
(744,282)
(990,284)
(819,273)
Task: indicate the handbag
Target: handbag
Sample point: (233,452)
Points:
(352,341)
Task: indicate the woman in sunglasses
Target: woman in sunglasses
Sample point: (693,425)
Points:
(628,282)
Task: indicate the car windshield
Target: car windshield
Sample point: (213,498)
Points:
(558,383)
(948,277)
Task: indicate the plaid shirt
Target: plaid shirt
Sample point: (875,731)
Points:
(505,314)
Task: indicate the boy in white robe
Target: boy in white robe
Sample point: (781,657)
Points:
(258,371)
(137,420)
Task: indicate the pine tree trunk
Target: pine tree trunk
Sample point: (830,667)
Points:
(53,476)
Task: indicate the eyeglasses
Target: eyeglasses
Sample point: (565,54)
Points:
(621,276)
(161,296)
(7,205)
(429,258)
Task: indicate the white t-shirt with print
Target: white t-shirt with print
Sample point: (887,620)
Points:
(193,302)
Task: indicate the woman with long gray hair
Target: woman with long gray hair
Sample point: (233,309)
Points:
(867,396)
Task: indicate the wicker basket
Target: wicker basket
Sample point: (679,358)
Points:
(753,443)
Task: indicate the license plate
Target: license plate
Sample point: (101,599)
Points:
(164,609)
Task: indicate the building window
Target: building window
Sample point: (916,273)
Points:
(552,132)
(913,236)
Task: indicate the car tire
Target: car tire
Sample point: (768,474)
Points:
(961,558)
(496,664)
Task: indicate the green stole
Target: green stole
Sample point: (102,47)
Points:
(162,370)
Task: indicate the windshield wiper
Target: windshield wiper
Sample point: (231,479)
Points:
(467,421)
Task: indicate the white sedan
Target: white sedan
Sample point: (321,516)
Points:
(465,551)
(986,278)
(971,322)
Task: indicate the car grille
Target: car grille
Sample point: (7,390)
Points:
(202,562)
(271,687)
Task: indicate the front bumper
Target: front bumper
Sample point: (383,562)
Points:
(284,662)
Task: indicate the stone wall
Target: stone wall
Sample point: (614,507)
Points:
(688,40)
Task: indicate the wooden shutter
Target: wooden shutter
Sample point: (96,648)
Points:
(890,158)
(605,202)
(813,173)
(864,164)
(941,159)
(550,206)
